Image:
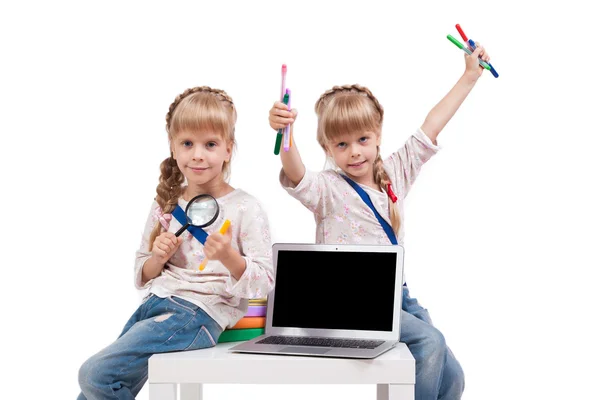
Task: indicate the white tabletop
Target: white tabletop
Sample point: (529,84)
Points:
(218,365)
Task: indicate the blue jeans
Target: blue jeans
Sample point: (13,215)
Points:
(158,326)
(439,375)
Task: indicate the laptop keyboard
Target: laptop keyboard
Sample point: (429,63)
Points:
(321,342)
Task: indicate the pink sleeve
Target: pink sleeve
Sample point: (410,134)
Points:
(313,191)
(404,165)
(254,242)
(144,253)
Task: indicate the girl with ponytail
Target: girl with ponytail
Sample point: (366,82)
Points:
(360,200)
(188,308)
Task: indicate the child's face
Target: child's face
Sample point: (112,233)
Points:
(355,154)
(200,156)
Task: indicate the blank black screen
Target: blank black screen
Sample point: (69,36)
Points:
(335,290)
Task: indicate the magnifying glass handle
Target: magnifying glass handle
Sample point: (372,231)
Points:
(180,231)
(222,231)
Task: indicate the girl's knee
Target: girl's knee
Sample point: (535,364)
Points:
(91,373)
(458,378)
(435,341)
(85,373)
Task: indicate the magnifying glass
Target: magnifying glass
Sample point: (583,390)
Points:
(201,211)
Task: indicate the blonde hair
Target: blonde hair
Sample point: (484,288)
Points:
(196,109)
(349,109)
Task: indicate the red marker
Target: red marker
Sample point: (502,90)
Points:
(462,34)
(472,46)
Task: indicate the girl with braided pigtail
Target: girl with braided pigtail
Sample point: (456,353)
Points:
(349,130)
(187,309)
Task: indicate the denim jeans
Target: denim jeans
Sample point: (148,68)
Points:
(439,375)
(159,325)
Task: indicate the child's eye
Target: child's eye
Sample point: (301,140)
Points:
(186,143)
(363,139)
(341,145)
(210,145)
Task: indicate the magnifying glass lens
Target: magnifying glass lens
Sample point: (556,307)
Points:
(202,211)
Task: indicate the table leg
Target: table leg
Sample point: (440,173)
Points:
(395,392)
(190,391)
(162,391)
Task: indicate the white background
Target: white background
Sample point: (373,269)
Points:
(502,224)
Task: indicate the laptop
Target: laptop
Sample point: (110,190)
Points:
(332,301)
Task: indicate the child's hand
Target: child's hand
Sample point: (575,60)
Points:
(164,246)
(280,117)
(473,69)
(218,246)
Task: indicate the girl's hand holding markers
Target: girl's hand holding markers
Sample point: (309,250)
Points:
(473,69)
(280,117)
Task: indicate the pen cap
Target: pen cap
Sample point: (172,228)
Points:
(456,42)
(461,32)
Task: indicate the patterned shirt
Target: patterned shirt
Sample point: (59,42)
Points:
(342,217)
(213,289)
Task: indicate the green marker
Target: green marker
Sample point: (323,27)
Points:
(286,97)
(466,50)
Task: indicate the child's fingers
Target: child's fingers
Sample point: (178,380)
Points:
(484,55)
(282,113)
(228,233)
(283,120)
(163,246)
(169,243)
(224,237)
(279,105)
(208,252)
(171,237)
(477,52)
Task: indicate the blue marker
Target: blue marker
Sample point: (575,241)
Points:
(473,47)
(466,50)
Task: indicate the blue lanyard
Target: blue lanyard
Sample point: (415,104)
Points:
(198,233)
(365,197)
(384,224)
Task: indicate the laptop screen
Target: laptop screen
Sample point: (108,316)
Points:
(335,290)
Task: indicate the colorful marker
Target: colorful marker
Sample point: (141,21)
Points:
(283,75)
(462,33)
(222,231)
(492,70)
(466,50)
(280,131)
(472,46)
(286,135)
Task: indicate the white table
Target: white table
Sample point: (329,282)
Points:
(393,372)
